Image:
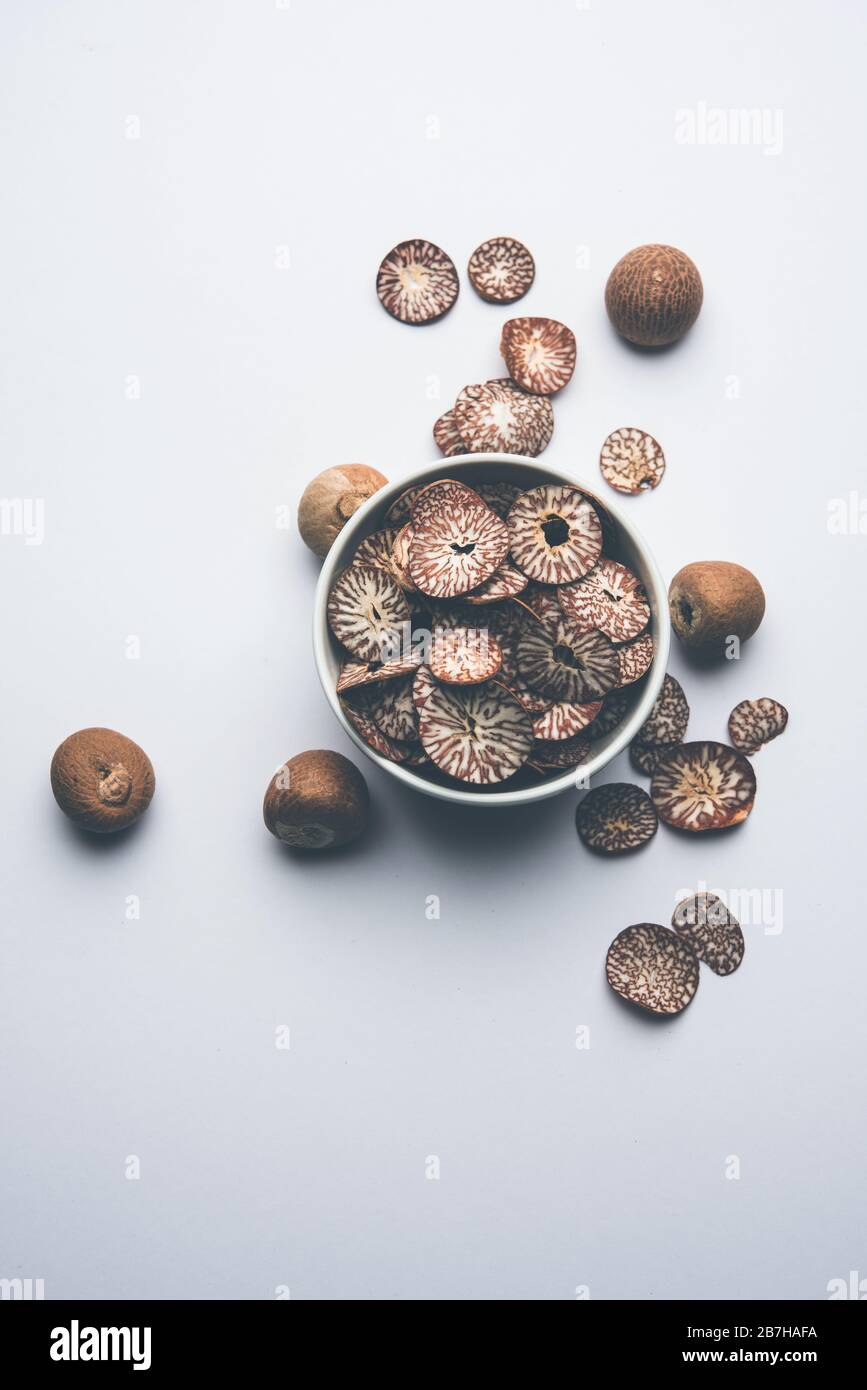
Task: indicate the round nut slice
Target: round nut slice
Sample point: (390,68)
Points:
(376,549)
(455,548)
(501,270)
(417,282)
(555,534)
(444,493)
(539,353)
(714,934)
(669,717)
(564,720)
(496,417)
(565,664)
(631,461)
(610,598)
(478,734)
(652,967)
(365,610)
(635,658)
(753,723)
(447,436)
(369,731)
(391,708)
(464,655)
(703,786)
(616,818)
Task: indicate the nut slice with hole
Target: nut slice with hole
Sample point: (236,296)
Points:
(714,934)
(455,548)
(447,435)
(616,818)
(703,786)
(539,353)
(565,664)
(631,461)
(555,534)
(564,719)
(365,610)
(417,282)
(753,723)
(501,270)
(478,734)
(669,717)
(610,598)
(464,655)
(635,659)
(652,967)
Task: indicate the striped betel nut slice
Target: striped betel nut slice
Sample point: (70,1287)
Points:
(365,610)
(555,534)
(417,282)
(714,934)
(539,353)
(478,734)
(616,818)
(610,598)
(501,270)
(651,966)
(703,786)
(631,461)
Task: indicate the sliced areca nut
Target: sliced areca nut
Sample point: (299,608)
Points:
(532,701)
(447,436)
(713,933)
(391,708)
(565,664)
(400,511)
(631,461)
(539,353)
(422,685)
(753,723)
(652,967)
(610,598)
(565,719)
(634,659)
(501,270)
(669,717)
(376,549)
(505,582)
(464,655)
(357,674)
(496,417)
(703,786)
(555,534)
(615,707)
(539,604)
(369,731)
(645,756)
(400,558)
(443,495)
(616,818)
(365,610)
(478,734)
(417,282)
(456,548)
(498,496)
(551,755)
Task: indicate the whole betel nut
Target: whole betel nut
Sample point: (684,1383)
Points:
(653,295)
(330,499)
(317,800)
(101,780)
(711,601)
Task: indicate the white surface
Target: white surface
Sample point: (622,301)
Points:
(264,127)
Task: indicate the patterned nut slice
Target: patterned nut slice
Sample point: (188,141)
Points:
(616,818)
(391,708)
(455,547)
(478,734)
(631,461)
(464,655)
(539,354)
(400,511)
(559,755)
(652,967)
(634,659)
(357,674)
(610,598)
(444,493)
(365,611)
(555,534)
(753,723)
(565,664)
(501,270)
(564,720)
(422,686)
(417,282)
(494,417)
(646,756)
(447,435)
(400,558)
(714,934)
(505,582)
(703,786)
(372,735)
(669,717)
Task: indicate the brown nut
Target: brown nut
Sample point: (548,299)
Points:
(713,600)
(317,800)
(330,499)
(101,780)
(653,295)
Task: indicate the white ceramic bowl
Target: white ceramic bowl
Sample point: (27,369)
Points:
(629,547)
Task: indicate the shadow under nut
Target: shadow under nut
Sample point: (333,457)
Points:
(102,780)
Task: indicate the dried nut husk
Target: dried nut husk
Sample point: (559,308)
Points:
(713,933)
(753,723)
(555,534)
(610,598)
(102,780)
(616,818)
(712,601)
(650,966)
(331,498)
(317,800)
(703,786)
(417,282)
(365,610)
(653,295)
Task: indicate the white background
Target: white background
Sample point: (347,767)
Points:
(307,127)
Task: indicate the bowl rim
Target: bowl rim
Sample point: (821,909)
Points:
(524,796)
